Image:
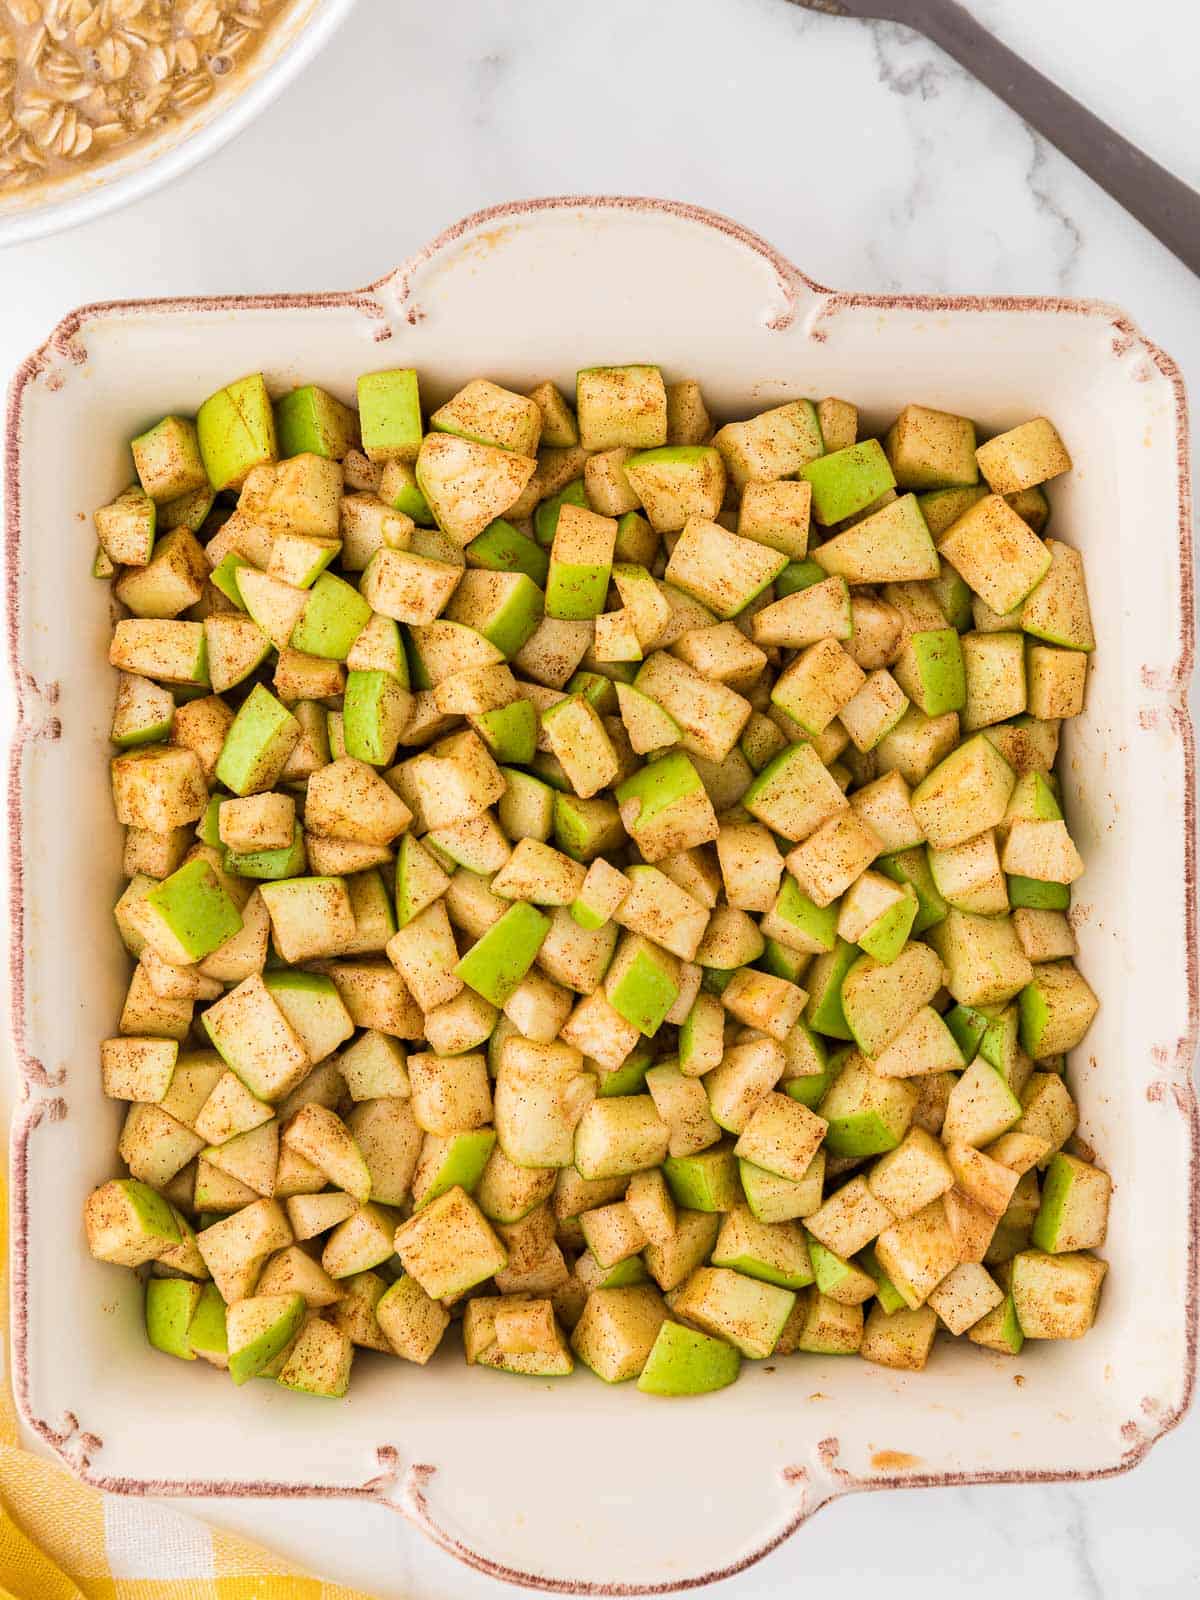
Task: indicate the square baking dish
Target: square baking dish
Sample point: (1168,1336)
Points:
(570,1484)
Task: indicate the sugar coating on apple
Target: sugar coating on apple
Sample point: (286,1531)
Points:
(503,607)
(167,458)
(482,994)
(930,449)
(776,444)
(501,548)
(581,558)
(621,407)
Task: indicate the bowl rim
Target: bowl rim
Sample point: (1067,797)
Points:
(404,1489)
(187,150)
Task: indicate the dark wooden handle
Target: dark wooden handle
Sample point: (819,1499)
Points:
(1161,202)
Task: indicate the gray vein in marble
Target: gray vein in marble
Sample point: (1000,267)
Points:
(924,78)
(1038,177)
(797,17)
(1078,1536)
(489,72)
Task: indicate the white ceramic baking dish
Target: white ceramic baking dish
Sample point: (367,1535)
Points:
(570,1484)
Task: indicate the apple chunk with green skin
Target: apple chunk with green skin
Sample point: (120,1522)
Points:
(880,999)
(578,738)
(677,482)
(142,714)
(469,485)
(581,560)
(500,958)
(799,923)
(314,1009)
(1023,457)
(260,1328)
(642,983)
(996,552)
(892,545)
(665,807)
(207,1337)
(501,548)
(964,795)
(333,617)
(775,444)
(817,684)
(170,1306)
(236,647)
(487,414)
(167,648)
(189,915)
(866,1115)
(319,1362)
(621,407)
(503,607)
(774,1252)
(323,1139)
(309,421)
(126,528)
(510,732)
(684,1361)
(256,1040)
(746,1311)
(449,1246)
(794,793)
(236,431)
(545,518)
(374,711)
(931,671)
(618,1329)
(781,1136)
(128,1223)
(847,481)
(1056,1295)
(1056,1009)
(618,1136)
(389,414)
(721,569)
(451,1161)
(1074,1209)
(258,744)
(704,1181)
(167,458)
(419,880)
(274,606)
(932,449)
(1057,610)
(288,861)
(877,915)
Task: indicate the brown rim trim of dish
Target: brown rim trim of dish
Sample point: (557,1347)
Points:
(74,1446)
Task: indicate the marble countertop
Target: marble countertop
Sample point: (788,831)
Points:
(875,164)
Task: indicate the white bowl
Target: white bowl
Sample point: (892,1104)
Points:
(287,49)
(570,1484)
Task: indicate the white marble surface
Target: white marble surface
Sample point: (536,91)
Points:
(875,164)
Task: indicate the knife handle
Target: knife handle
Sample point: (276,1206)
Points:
(1161,202)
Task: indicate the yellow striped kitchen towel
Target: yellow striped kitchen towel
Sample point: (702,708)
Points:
(60,1540)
